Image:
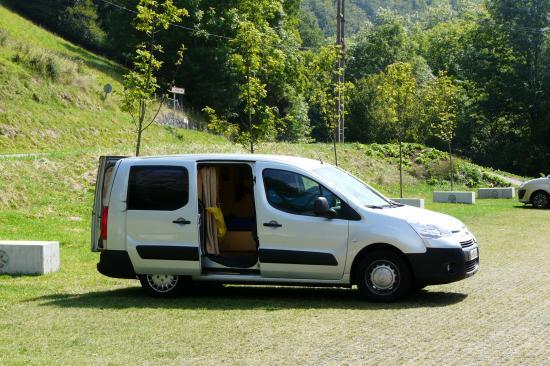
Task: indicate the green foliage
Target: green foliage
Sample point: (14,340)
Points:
(82,22)
(377,46)
(397,98)
(324,85)
(140,83)
(221,126)
(441,100)
(310,32)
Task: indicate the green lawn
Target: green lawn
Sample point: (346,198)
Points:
(77,316)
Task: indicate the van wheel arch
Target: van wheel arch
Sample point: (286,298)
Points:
(375,247)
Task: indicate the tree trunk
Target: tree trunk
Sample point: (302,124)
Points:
(142,105)
(400,168)
(138,144)
(249,108)
(451,166)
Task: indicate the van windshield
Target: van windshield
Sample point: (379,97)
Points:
(353,187)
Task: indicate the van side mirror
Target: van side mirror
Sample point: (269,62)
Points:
(321,208)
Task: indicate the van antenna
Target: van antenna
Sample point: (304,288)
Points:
(319,157)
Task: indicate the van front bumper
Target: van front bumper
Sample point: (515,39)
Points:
(444,265)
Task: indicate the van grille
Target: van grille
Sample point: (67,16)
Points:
(521,193)
(471,265)
(467,243)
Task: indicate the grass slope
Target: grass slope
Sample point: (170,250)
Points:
(76,316)
(51,94)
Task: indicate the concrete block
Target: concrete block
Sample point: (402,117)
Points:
(455,197)
(29,257)
(416,202)
(503,192)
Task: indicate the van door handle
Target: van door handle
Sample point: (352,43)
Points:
(181,221)
(272,223)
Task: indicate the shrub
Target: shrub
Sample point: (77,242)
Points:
(493,180)
(45,63)
(470,175)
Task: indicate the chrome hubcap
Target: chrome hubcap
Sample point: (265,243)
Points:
(383,277)
(162,282)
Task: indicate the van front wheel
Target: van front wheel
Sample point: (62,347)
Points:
(383,276)
(161,285)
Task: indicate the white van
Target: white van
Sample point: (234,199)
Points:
(261,219)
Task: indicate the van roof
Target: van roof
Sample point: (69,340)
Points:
(291,160)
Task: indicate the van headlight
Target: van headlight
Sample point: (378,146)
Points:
(429,231)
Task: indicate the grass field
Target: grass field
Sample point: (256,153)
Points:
(76,316)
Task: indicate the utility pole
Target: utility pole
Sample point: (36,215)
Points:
(339,134)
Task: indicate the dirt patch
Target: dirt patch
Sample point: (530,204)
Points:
(8,131)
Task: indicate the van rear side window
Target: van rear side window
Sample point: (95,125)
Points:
(157,188)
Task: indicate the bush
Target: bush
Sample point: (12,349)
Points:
(470,175)
(493,180)
(44,63)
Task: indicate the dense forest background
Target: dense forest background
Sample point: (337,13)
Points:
(488,59)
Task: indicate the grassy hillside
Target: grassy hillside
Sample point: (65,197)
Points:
(51,94)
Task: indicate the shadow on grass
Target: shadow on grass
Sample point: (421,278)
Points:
(529,207)
(95,62)
(245,297)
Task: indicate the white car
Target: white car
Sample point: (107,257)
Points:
(535,192)
(246,219)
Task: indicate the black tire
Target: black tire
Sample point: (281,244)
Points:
(540,199)
(393,273)
(163,286)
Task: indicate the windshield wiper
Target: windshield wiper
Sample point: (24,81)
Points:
(396,204)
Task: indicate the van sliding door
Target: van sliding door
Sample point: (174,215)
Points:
(102,185)
(162,235)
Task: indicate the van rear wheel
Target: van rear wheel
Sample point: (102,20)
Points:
(383,276)
(161,285)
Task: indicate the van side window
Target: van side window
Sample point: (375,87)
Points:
(294,193)
(157,188)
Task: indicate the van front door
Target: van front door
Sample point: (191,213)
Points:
(162,218)
(294,243)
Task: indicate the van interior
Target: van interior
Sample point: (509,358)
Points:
(226,190)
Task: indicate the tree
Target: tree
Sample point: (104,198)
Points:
(250,60)
(325,89)
(377,46)
(397,96)
(81,21)
(140,83)
(524,27)
(441,101)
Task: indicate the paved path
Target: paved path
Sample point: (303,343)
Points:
(510,180)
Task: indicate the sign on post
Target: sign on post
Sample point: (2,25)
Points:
(176,90)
